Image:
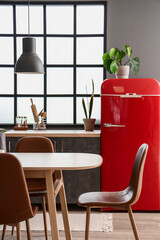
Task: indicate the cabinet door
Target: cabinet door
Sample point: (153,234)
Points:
(80,181)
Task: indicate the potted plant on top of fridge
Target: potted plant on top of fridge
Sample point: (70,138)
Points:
(88,121)
(113,62)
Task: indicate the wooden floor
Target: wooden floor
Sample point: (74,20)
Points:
(148,225)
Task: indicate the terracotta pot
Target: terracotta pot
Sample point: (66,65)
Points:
(123,72)
(89,124)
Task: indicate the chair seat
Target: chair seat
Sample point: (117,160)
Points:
(104,199)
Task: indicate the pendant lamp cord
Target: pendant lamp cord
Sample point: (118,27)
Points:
(28,19)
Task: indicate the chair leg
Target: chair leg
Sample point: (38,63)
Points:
(44,217)
(12,232)
(133,223)
(64,210)
(18,226)
(87,223)
(4,231)
(28,230)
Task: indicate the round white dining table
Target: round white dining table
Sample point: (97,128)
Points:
(43,165)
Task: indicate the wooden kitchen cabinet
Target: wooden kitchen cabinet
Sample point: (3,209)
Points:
(76,182)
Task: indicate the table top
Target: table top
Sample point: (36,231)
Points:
(53,133)
(58,161)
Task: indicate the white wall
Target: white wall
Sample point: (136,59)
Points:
(137,23)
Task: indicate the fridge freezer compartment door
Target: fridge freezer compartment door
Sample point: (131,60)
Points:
(141,86)
(109,125)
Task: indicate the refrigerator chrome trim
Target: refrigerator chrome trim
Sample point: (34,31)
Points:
(119,95)
(130,95)
(112,125)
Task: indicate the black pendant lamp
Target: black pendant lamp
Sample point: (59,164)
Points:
(29,62)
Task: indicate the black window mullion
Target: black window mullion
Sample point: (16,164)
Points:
(105,38)
(15,59)
(45,57)
(74,65)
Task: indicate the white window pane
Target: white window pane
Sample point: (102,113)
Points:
(24,107)
(6,80)
(7,110)
(39,47)
(30,83)
(59,110)
(60,50)
(89,50)
(6,19)
(84,80)
(36,19)
(59,19)
(6,50)
(95,111)
(59,80)
(90,19)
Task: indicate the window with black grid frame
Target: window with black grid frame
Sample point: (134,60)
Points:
(70,41)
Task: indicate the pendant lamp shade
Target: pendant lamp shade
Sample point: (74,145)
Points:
(29,62)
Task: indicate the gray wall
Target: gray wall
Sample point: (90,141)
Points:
(136,22)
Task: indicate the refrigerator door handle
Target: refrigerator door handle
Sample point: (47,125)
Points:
(112,125)
(130,95)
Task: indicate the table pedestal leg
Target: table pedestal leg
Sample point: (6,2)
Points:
(64,208)
(52,205)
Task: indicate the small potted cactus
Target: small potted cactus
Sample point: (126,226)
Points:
(89,122)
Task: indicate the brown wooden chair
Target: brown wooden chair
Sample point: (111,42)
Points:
(36,187)
(121,199)
(15,205)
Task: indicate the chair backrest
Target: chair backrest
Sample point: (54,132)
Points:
(15,205)
(135,184)
(34,144)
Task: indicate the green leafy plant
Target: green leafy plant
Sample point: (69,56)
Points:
(114,58)
(90,106)
(2,130)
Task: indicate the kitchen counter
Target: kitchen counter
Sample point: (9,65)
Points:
(52,133)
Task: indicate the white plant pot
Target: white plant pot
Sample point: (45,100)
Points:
(123,72)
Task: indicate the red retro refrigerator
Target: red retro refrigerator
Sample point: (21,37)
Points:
(130,116)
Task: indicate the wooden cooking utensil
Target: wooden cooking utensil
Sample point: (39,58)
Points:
(34,111)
